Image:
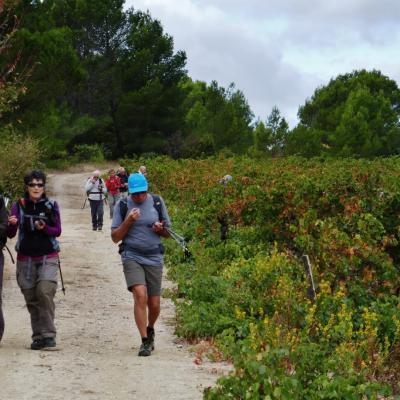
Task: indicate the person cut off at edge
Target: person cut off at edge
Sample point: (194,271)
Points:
(140,227)
(3,239)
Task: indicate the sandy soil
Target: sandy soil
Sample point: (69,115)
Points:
(96,357)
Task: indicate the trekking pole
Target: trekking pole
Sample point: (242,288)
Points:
(311,289)
(10,254)
(61,276)
(84,203)
(180,240)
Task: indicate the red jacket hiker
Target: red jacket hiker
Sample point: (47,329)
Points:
(113,184)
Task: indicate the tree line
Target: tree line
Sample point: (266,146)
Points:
(91,71)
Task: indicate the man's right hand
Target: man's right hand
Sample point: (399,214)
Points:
(134,214)
(119,233)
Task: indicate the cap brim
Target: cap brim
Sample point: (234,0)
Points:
(138,189)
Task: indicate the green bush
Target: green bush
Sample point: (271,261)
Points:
(249,292)
(17,156)
(88,153)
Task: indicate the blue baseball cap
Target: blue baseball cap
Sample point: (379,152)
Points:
(137,183)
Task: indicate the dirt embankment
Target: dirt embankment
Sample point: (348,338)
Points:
(97,340)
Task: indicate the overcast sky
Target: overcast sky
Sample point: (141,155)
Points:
(277,52)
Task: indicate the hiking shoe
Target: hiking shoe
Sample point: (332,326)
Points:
(100,228)
(94,229)
(37,344)
(145,349)
(49,342)
(150,337)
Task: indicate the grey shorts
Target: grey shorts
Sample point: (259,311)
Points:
(30,273)
(139,274)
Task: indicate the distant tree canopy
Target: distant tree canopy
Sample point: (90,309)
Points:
(356,114)
(101,74)
(215,118)
(270,137)
(111,76)
(114,68)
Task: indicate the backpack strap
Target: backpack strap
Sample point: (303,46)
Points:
(123,207)
(157,206)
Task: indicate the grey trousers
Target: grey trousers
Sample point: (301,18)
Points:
(112,200)
(38,284)
(1,293)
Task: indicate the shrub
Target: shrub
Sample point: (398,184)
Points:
(88,153)
(17,156)
(250,290)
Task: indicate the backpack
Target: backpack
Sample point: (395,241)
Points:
(123,207)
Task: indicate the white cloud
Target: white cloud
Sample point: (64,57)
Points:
(279,51)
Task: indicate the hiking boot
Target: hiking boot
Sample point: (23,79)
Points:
(94,228)
(100,228)
(37,344)
(145,348)
(150,336)
(49,342)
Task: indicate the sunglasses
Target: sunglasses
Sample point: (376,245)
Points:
(39,185)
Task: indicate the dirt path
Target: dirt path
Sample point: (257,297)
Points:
(97,339)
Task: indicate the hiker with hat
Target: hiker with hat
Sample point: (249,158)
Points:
(96,192)
(113,184)
(3,239)
(139,222)
(37,221)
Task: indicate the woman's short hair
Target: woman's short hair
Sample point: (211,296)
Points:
(35,174)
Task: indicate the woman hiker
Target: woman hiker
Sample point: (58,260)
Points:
(113,184)
(37,221)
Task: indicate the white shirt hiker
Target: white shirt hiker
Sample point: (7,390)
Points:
(96,189)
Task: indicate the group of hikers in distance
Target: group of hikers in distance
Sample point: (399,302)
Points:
(139,220)
(114,188)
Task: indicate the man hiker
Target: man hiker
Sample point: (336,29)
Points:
(96,192)
(123,176)
(3,239)
(113,184)
(37,220)
(139,221)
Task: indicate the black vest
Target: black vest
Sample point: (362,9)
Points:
(35,242)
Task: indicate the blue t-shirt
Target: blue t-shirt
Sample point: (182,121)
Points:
(141,244)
